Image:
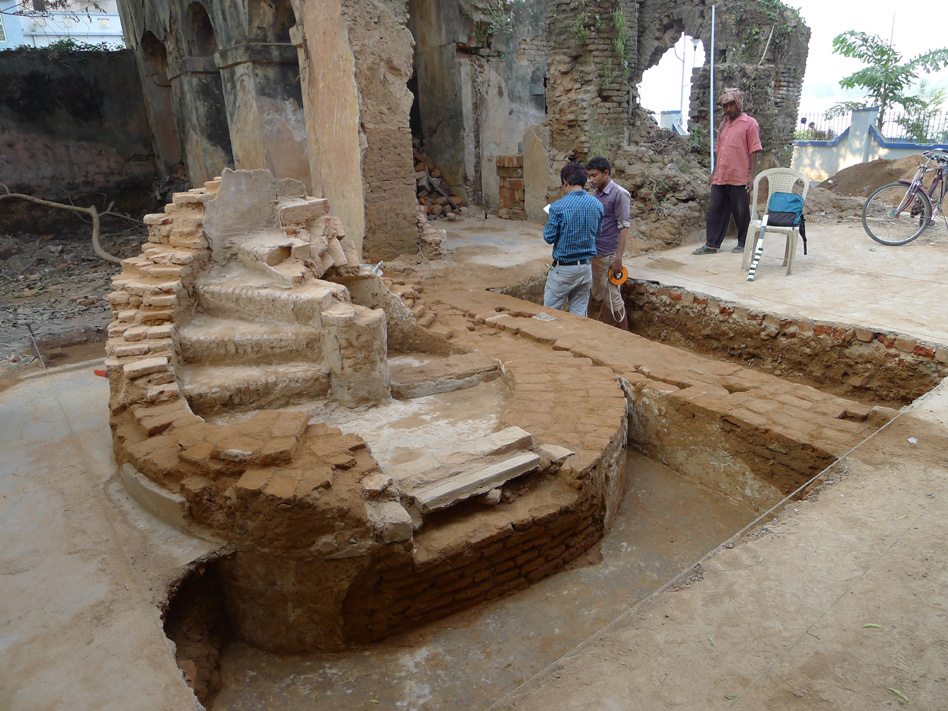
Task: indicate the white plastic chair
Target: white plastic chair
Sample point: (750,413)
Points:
(779,180)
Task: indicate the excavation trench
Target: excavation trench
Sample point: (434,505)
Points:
(867,365)
(690,483)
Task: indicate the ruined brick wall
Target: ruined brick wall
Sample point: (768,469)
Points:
(597,59)
(588,92)
(862,363)
(598,55)
(72,122)
(501,556)
(761,48)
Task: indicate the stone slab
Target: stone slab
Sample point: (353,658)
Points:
(455,489)
(170,507)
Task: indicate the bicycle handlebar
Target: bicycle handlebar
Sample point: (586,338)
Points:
(938,154)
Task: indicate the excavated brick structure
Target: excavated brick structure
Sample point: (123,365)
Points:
(241,304)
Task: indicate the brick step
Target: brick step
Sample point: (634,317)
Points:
(416,376)
(246,298)
(272,253)
(210,340)
(209,388)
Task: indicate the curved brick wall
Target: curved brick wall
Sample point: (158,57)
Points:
(320,551)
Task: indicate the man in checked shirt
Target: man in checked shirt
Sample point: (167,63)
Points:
(610,245)
(572,229)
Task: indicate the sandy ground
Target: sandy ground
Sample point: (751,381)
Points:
(840,601)
(840,604)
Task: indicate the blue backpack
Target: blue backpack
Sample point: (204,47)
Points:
(786,210)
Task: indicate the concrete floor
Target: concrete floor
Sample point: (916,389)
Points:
(846,277)
(81,566)
(78,627)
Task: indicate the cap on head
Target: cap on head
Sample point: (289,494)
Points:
(733,95)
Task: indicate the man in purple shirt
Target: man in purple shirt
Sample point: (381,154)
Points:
(737,149)
(610,244)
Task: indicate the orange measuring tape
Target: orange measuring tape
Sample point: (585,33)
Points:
(619,278)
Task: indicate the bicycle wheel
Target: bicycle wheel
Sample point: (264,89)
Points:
(892,217)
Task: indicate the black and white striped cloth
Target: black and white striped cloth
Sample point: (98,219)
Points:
(752,272)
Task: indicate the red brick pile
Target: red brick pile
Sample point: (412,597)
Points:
(432,192)
(510,172)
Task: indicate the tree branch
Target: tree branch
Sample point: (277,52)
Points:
(91,211)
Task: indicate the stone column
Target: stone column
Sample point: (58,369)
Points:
(198,91)
(265,109)
(331,102)
(860,140)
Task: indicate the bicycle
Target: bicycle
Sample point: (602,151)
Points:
(899,212)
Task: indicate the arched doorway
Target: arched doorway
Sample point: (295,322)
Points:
(264,94)
(665,89)
(159,104)
(201,95)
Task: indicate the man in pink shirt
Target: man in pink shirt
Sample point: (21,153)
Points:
(737,149)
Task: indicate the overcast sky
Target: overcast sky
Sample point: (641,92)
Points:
(914,33)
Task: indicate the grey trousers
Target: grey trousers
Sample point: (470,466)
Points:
(568,282)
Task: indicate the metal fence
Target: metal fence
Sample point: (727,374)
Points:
(910,127)
(916,127)
(817,127)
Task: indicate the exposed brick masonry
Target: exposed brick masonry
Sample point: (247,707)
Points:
(510,172)
(864,363)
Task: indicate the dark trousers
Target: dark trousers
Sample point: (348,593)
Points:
(727,200)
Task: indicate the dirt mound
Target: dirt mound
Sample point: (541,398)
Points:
(828,204)
(860,180)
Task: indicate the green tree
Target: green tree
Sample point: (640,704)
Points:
(919,125)
(887,80)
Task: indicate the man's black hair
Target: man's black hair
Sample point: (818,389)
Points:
(599,163)
(574,174)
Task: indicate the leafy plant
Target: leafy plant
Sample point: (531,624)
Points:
(918,124)
(697,137)
(67,45)
(500,14)
(580,30)
(622,42)
(606,79)
(886,80)
(775,10)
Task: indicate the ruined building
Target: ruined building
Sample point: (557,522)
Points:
(330,93)
(249,321)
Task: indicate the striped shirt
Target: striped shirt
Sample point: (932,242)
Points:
(616,203)
(573,226)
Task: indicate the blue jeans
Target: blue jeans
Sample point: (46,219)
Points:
(573,283)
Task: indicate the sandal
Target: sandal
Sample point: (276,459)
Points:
(705,249)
